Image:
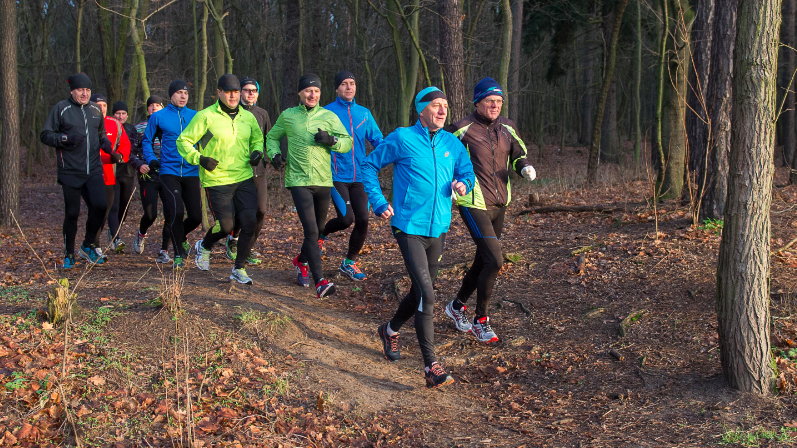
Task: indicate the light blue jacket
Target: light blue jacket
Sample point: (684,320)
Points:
(423,170)
(167,124)
(360,124)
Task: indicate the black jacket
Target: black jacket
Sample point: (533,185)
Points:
(70,118)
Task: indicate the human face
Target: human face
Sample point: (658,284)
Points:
(120,115)
(347,89)
(103,107)
(490,107)
(81,96)
(154,107)
(310,96)
(249,94)
(180,98)
(230,98)
(433,116)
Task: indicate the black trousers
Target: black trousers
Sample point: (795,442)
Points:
(231,203)
(111,212)
(181,198)
(151,190)
(312,204)
(262,203)
(355,212)
(92,190)
(126,184)
(485,228)
(422,256)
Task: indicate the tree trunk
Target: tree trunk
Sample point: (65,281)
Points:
(638,86)
(290,54)
(202,63)
(610,138)
(787,118)
(514,74)
(9,145)
(720,88)
(697,120)
(451,57)
(594,152)
(114,47)
(506,51)
(590,54)
(138,48)
(81,6)
(743,267)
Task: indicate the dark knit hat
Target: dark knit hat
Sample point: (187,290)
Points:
(342,76)
(426,96)
(155,99)
(119,105)
(486,87)
(228,83)
(245,81)
(79,81)
(99,98)
(309,80)
(177,85)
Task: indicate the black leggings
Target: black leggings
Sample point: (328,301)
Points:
(312,204)
(93,193)
(126,186)
(422,256)
(111,212)
(356,211)
(485,228)
(262,204)
(181,197)
(150,191)
(231,203)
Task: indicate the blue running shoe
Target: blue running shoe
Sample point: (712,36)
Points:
(350,269)
(91,254)
(69,262)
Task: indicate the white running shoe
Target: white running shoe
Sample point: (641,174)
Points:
(460,321)
(138,243)
(163,257)
(482,330)
(239,275)
(202,258)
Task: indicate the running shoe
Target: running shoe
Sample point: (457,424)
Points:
(253,258)
(482,330)
(163,257)
(349,269)
(231,247)
(324,288)
(186,248)
(321,245)
(92,254)
(179,263)
(118,245)
(458,316)
(202,257)
(138,243)
(302,272)
(69,262)
(239,275)
(101,254)
(390,344)
(437,376)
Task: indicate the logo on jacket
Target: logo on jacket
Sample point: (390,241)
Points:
(446,154)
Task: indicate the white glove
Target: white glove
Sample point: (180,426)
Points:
(529,173)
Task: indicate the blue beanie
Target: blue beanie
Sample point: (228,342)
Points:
(486,87)
(426,96)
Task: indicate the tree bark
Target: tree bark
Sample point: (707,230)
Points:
(451,57)
(81,6)
(638,85)
(514,73)
(138,48)
(697,115)
(9,145)
(506,51)
(743,267)
(720,88)
(788,118)
(290,54)
(610,138)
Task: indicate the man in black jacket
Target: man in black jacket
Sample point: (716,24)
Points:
(76,130)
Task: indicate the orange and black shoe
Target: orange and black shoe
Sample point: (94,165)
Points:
(437,376)
(390,344)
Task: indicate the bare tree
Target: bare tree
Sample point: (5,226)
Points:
(9,145)
(451,56)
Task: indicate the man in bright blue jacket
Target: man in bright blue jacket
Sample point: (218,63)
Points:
(179,178)
(428,164)
(349,196)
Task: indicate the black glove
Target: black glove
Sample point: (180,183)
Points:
(72,141)
(155,165)
(324,138)
(277,161)
(208,163)
(117,158)
(255,157)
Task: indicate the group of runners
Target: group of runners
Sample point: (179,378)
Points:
(225,149)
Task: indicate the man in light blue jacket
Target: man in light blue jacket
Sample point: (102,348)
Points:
(349,196)
(428,164)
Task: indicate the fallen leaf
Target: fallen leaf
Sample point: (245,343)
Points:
(97,380)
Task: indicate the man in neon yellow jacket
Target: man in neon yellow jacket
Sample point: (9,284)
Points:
(230,143)
(312,133)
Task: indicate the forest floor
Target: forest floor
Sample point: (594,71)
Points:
(607,321)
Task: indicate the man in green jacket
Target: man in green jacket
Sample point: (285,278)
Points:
(230,143)
(312,132)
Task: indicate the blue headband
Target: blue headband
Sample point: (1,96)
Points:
(426,96)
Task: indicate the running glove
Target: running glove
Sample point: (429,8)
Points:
(529,172)
(208,163)
(324,138)
(255,157)
(277,161)
(116,157)
(72,141)
(155,165)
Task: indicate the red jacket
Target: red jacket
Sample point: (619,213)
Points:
(120,143)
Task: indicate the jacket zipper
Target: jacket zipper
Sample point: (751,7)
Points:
(179,120)
(88,146)
(353,164)
(434,204)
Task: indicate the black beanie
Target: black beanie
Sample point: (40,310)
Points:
(99,98)
(177,85)
(342,76)
(79,81)
(309,80)
(119,105)
(245,81)
(155,99)
(228,83)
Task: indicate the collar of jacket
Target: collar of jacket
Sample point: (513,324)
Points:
(482,119)
(423,130)
(343,102)
(226,110)
(72,100)
(171,106)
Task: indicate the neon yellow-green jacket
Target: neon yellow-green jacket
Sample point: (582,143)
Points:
(308,163)
(230,141)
